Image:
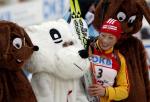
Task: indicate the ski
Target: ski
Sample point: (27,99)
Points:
(79,23)
(81,29)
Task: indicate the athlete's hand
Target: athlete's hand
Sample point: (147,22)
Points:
(96,90)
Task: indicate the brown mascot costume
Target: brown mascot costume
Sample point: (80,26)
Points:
(15,48)
(130,13)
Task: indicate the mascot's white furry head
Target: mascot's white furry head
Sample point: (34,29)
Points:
(58,50)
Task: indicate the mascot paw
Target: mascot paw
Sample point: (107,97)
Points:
(83,53)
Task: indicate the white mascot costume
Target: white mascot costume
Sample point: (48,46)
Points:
(57,67)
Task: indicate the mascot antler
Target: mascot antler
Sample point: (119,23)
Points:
(145,9)
(102,8)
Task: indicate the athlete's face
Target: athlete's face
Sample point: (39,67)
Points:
(107,41)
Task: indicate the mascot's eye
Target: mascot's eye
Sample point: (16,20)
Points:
(17,43)
(55,35)
(131,19)
(121,16)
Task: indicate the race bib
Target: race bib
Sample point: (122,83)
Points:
(103,70)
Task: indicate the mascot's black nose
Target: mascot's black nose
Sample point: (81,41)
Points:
(83,53)
(35,48)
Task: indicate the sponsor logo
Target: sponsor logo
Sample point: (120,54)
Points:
(101,61)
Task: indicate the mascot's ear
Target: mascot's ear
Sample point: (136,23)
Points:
(4,39)
(138,24)
(104,10)
(144,8)
(28,41)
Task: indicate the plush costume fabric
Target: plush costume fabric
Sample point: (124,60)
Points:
(130,14)
(57,67)
(15,48)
